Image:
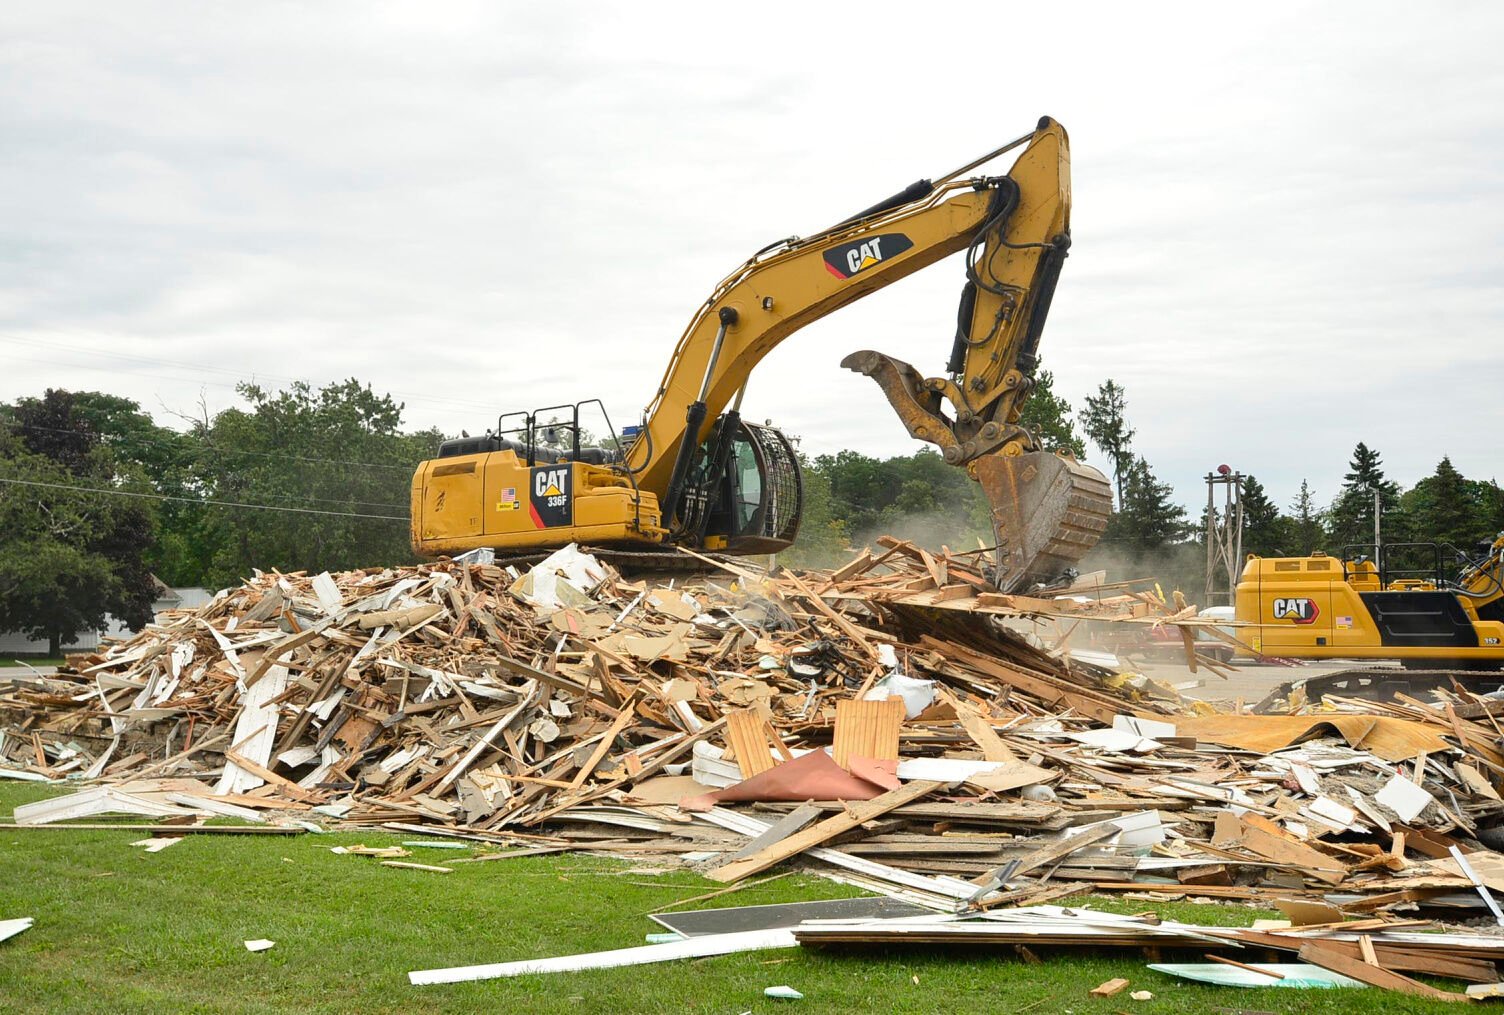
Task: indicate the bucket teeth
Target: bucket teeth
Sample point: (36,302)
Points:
(1047,513)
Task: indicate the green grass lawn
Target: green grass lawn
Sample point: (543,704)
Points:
(119,930)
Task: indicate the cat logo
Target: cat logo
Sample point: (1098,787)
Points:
(1302,611)
(852,258)
(551,502)
(550,482)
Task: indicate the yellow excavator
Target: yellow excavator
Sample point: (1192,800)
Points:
(696,474)
(1396,602)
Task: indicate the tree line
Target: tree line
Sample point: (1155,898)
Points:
(99,502)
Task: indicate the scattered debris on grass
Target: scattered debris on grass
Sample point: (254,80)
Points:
(888,723)
(417,867)
(10,928)
(156,844)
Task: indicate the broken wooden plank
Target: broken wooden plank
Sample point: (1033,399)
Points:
(854,815)
(1318,954)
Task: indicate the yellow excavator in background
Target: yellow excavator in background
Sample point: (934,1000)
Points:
(1397,602)
(695,474)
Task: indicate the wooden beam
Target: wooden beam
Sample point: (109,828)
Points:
(854,815)
(1375,976)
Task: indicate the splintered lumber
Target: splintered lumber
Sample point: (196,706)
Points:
(1272,974)
(487,740)
(1255,835)
(265,774)
(847,627)
(781,829)
(255,731)
(1318,954)
(1064,848)
(853,816)
(1047,689)
(607,742)
(1402,957)
(543,708)
(979,729)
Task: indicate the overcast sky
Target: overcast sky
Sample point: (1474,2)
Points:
(1287,220)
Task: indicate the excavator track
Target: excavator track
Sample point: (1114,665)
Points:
(1380,683)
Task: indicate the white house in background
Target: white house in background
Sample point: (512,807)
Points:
(188,598)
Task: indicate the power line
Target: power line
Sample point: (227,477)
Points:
(196,500)
(224,450)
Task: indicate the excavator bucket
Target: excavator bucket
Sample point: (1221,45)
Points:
(1047,512)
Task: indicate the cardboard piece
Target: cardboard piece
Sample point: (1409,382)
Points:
(1388,738)
(1303,912)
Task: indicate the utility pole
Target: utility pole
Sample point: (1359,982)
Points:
(1224,535)
(1378,545)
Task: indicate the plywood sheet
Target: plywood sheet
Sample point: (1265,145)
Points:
(867,729)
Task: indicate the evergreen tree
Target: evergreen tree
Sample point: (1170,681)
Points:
(1446,508)
(1304,532)
(1351,515)
(1263,529)
(1149,520)
(1105,422)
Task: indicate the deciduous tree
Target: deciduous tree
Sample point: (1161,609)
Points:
(73,543)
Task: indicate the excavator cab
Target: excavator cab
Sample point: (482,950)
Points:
(744,494)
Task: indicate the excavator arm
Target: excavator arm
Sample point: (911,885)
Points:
(695,474)
(1015,229)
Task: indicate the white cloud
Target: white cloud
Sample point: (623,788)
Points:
(1286,219)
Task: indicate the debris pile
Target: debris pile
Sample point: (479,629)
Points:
(466,694)
(885,722)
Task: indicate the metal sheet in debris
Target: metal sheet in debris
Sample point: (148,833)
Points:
(739,918)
